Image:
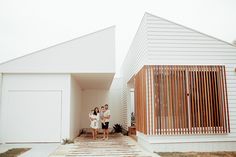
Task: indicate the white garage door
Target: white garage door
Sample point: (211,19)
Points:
(32,116)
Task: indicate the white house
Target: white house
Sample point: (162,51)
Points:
(46,96)
(180,116)
(179,82)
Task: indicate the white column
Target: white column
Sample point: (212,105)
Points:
(0,88)
(1,75)
(128,108)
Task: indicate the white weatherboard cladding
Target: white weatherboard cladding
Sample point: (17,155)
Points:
(134,60)
(137,55)
(124,101)
(203,50)
(165,43)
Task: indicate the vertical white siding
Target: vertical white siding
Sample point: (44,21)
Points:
(135,59)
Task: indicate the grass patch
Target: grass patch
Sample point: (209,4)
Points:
(14,152)
(197,154)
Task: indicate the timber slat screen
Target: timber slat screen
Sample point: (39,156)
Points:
(177,99)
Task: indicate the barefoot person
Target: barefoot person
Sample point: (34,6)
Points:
(106,116)
(94,119)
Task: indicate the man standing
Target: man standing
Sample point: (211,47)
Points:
(105,126)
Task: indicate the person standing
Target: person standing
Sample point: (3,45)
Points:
(94,119)
(105,126)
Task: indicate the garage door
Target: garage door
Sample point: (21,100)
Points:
(31,116)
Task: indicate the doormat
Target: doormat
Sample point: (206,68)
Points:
(197,154)
(14,152)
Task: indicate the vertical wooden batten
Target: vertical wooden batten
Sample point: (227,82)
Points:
(179,99)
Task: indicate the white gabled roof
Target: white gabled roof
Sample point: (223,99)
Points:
(92,53)
(186,28)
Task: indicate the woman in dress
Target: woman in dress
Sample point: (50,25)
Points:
(94,119)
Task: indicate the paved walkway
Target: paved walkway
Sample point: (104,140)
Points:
(116,146)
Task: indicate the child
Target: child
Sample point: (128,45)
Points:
(102,115)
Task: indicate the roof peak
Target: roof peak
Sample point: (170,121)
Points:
(186,27)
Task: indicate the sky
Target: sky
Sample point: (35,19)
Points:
(30,25)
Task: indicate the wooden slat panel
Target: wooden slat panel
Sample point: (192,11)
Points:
(201,110)
(213,98)
(221,107)
(172,100)
(140,101)
(189,102)
(152,100)
(226,100)
(191,95)
(205,100)
(208,100)
(176,99)
(185,97)
(164,99)
(144,100)
(155,100)
(148,101)
(221,90)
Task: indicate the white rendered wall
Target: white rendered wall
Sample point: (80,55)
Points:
(92,53)
(75,108)
(35,101)
(92,98)
(0,87)
(165,43)
(114,101)
(0,104)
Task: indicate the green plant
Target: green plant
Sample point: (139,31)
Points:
(132,119)
(117,128)
(67,141)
